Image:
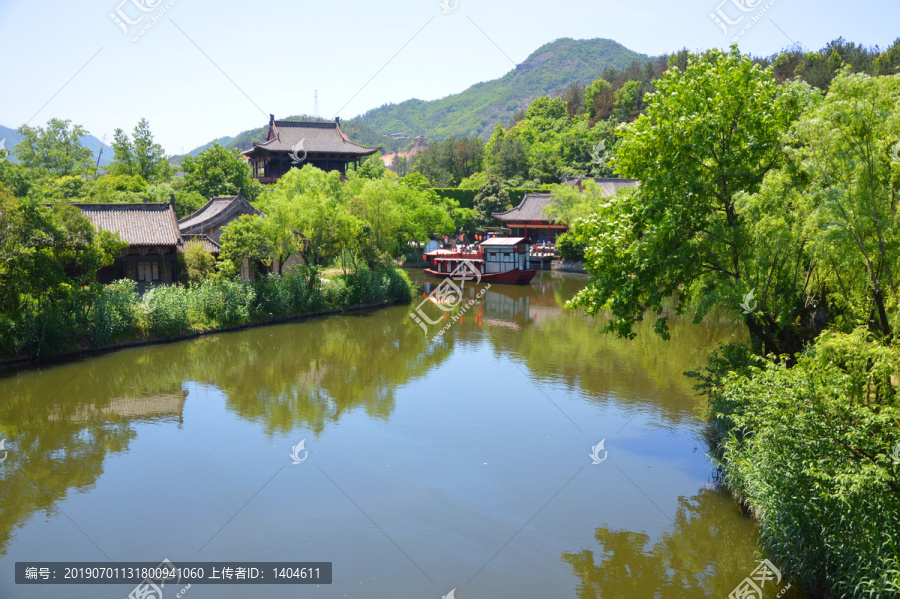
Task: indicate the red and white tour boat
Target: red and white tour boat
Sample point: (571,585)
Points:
(497,260)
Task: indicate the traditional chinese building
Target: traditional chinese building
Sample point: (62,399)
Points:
(151,232)
(208,221)
(298,143)
(527,220)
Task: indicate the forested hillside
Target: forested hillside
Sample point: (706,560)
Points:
(476,111)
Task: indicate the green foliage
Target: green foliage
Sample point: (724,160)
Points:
(219,171)
(368,286)
(308,214)
(113,189)
(186,202)
(56,150)
(96,315)
(810,455)
(139,156)
(842,169)
(221,303)
(247,239)
(447,163)
(43,248)
(199,263)
(570,202)
(115,312)
(491,198)
(464,197)
(711,132)
(393,214)
(476,111)
(165,311)
(372,168)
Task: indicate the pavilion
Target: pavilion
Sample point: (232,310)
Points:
(298,143)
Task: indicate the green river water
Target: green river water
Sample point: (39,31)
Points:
(461,464)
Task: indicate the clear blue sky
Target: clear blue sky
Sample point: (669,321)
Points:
(209,69)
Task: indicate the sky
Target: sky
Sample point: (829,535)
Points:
(198,70)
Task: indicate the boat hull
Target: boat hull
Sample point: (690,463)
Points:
(516,276)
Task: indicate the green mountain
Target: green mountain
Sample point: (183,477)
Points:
(549,70)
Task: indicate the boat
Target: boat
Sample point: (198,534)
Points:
(501,260)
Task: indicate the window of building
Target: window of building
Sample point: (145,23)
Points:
(148,271)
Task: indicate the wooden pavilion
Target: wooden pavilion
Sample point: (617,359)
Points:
(297,143)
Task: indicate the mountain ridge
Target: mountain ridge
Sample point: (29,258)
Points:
(476,110)
(479,108)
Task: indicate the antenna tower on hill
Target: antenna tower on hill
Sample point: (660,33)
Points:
(316,103)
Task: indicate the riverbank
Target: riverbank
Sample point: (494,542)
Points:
(813,453)
(106,318)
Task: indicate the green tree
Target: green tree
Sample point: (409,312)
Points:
(491,198)
(139,156)
(842,162)
(394,214)
(372,168)
(599,99)
(200,264)
(710,133)
(506,156)
(56,150)
(246,239)
(43,249)
(219,171)
(310,215)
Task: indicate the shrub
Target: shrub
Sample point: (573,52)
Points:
(199,263)
(810,453)
(220,303)
(115,312)
(165,311)
(336,292)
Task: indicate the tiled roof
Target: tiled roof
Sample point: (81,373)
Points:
(136,224)
(208,244)
(216,212)
(529,209)
(608,185)
(316,137)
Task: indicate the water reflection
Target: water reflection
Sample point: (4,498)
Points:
(63,423)
(704,554)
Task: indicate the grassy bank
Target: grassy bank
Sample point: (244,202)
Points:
(812,451)
(99,315)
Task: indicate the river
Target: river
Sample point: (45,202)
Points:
(466,466)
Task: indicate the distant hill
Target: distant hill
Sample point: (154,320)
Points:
(12,138)
(476,111)
(549,70)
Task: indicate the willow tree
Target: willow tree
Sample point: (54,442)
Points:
(706,141)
